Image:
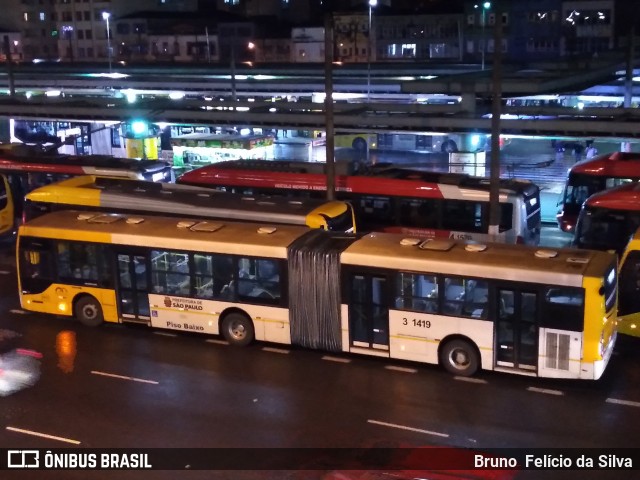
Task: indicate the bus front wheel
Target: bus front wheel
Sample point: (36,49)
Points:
(460,358)
(237,329)
(88,311)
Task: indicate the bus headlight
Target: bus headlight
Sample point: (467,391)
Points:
(62,307)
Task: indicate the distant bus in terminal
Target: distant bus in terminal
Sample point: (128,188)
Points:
(591,176)
(25,167)
(400,142)
(91,193)
(510,308)
(438,205)
(609,218)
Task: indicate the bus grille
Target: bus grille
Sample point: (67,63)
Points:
(557,351)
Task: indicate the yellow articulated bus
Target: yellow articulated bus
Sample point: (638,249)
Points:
(119,195)
(466,306)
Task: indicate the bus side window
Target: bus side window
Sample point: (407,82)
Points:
(170,273)
(259,279)
(81,262)
(417,292)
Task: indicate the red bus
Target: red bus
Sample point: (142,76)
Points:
(591,176)
(608,219)
(393,199)
(25,167)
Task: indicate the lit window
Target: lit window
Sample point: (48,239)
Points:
(25,16)
(42,16)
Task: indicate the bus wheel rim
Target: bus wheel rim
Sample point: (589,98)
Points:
(238,330)
(459,359)
(90,311)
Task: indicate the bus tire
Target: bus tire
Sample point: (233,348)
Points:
(359,144)
(459,357)
(237,329)
(88,311)
(449,146)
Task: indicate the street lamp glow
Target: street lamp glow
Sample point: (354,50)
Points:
(106,16)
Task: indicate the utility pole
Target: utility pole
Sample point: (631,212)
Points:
(628,79)
(10,74)
(496,110)
(328,105)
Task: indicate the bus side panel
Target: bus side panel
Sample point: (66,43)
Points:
(417,336)
(197,315)
(58,299)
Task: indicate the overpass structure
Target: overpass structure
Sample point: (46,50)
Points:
(394,105)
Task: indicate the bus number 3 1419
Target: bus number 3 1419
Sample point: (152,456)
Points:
(417,322)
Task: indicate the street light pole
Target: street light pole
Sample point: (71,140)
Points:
(372,3)
(485,6)
(105,17)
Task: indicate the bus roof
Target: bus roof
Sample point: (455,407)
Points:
(167,198)
(616,164)
(19,157)
(164,232)
(622,197)
(384,250)
(384,180)
(499,261)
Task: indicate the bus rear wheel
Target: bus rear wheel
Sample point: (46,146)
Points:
(88,311)
(238,329)
(460,358)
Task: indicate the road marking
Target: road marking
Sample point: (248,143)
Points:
(43,435)
(545,390)
(401,369)
(470,379)
(4,272)
(218,342)
(165,334)
(122,377)
(274,350)
(628,403)
(17,310)
(336,359)
(411,429)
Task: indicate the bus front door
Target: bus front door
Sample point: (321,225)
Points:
(133,290)
(516,338)
(7,208)
(369,312)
